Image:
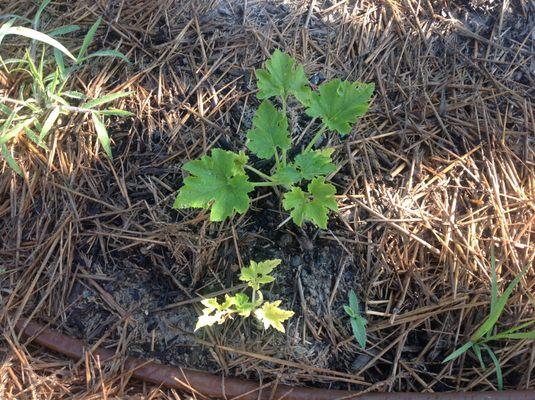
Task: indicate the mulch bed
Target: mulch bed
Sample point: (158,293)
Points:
(441,170)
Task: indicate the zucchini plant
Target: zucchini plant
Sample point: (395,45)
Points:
(221,183)
(268,313)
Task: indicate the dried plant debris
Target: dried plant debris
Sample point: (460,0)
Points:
(439,171)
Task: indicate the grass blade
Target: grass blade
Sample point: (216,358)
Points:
(458,352)
(88,39)
(115,112)
(477,350)
(36,35)
(105,99)
(500,305)
(496,362)
(10,134)
(102,134)
(64,30)
(37,19)
(49,122)
(106,53)
(10,160)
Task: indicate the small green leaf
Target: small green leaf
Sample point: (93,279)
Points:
(286,175)
(244,306)
(105,99)
(258,274)
(281,77)
(271,315)
(218,182)
(49,122)
(35,35)
(270,131)
(349,311)
(358,325)
(88,39)
(339,103)
(313,205)
(102,134)
(458,352)
(312,164)
(353,302)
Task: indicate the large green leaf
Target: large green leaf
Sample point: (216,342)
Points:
(339,103)
(313,205)
(270,131)
(281,77)
(217,182)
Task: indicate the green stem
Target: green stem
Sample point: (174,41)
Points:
(315,138)
(284,155)
(264,183)
(259,173)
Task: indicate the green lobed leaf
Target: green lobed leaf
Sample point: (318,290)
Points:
(270,131)
(286,175)
(339,103)
(217,182)
(244,305)
(312,164)
(102,134)
(258,274)
(281,77)
(271,315)
(313,205)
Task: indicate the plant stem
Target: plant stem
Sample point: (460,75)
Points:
(284,158)
(264,183)
(259,173)
(315,138)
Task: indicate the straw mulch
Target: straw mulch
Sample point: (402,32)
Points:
(440,171)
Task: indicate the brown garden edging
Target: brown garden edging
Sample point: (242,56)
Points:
(206,385)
